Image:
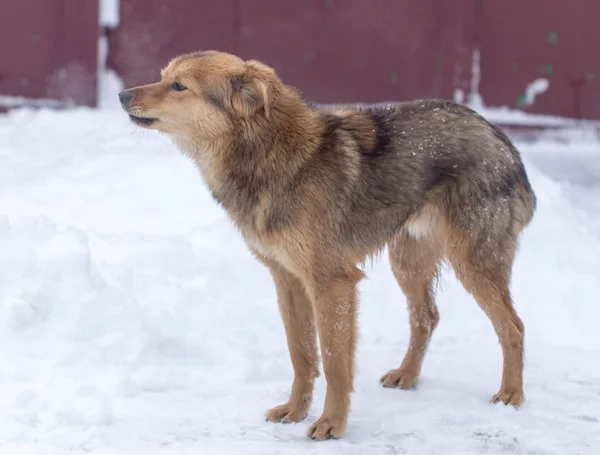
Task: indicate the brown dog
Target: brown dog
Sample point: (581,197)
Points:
(315,192)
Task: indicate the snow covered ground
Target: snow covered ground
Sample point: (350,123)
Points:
(134,321)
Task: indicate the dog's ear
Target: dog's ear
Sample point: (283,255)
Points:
(257,88)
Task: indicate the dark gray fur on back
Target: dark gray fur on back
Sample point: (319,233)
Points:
(425,149)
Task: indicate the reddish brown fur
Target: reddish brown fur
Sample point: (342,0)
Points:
(315,192)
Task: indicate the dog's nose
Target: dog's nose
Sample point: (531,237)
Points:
(125,97)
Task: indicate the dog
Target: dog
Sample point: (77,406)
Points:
(317,191)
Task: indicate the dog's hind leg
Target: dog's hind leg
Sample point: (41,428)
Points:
(415,261)
(484,268)
(298,318)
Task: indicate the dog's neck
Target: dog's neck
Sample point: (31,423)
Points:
(263,155)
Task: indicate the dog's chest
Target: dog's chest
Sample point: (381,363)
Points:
(263,245)
(272,247)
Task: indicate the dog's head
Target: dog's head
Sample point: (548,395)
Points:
(202,95)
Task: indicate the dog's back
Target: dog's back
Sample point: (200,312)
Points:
(437,158)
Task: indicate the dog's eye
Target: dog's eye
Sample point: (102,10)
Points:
(178,87)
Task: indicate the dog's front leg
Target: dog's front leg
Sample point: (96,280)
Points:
(335,307)
(298,319)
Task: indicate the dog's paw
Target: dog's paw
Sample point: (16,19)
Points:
(399,378)
(509,396)
(287,413)
(327,428)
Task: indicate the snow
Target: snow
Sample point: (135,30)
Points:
(508,116)
(134,320)
(535,88)
(10,101)
(475,98)
(109,81)
(109,13)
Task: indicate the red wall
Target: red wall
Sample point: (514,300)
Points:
(522,40)
(334,50)
(383,50)
(152,31)
(48,49)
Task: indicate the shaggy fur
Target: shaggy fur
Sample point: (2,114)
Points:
(317,191)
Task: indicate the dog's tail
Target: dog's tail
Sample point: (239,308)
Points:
(526,201)
(525,206)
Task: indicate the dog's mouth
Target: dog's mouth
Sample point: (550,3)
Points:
(142,121)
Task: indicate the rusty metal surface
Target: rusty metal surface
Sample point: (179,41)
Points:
(48,49)
(334,50)
(383,50)
(350,51)
(523,40)
(151,32)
